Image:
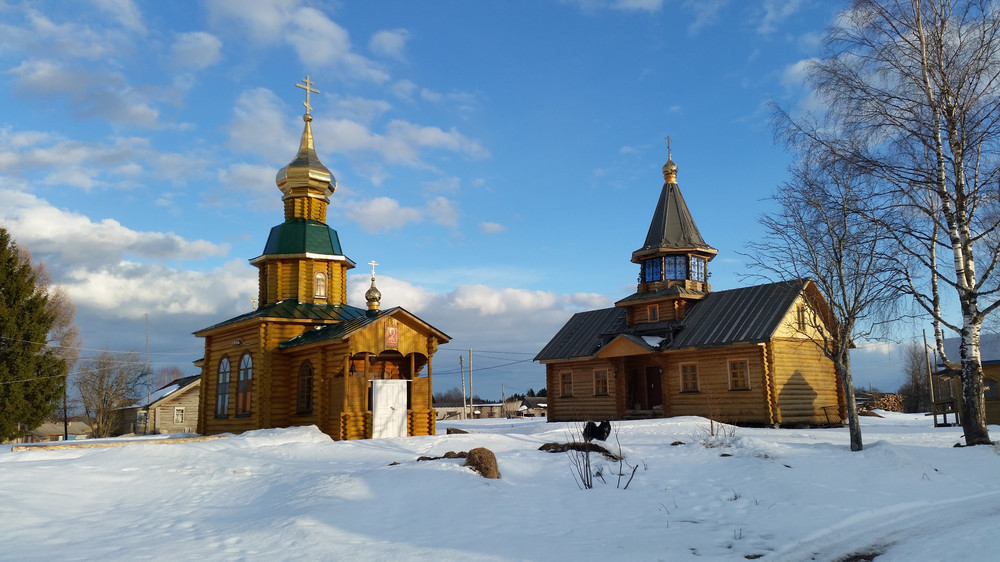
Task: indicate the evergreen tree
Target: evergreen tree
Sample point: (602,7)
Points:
(32,376)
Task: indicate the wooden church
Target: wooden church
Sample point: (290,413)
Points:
(304,356)
(676,348)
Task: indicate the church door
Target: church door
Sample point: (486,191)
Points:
(654,387)
(388,408)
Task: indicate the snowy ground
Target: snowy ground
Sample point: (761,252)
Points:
(295,494)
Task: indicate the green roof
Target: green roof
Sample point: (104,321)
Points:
(303,236)
(290,309)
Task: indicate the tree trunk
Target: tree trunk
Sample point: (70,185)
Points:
(974,414)
(843,365)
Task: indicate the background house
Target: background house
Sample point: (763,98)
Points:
(173,408)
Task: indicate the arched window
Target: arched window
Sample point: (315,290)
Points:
(305,387)
(222,390)
(244,386)
(320,291)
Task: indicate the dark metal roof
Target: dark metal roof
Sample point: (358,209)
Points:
(672,227)
(747,314)
(290,309)
(672,291)
(584,334)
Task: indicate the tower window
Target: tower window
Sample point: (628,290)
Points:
(699,269)
(320,291)
(675,267)
(651,270)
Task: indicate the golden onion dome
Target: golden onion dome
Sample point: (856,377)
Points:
(306,170)
(373,296)
(670,171)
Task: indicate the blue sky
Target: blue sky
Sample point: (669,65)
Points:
(499,160)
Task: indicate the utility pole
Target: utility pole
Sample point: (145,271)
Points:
(472,400)
(461,369)
(149,378)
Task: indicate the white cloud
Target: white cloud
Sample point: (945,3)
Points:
(125,11)
(196,50)
(98,93)
(249,184)
(776,12)
(265,20)
(705,12)
(380,213)
(487,227)
(261,126)
(795,75)
(480,316)
(318,40)
(389,43)
(638,5)
(435,137)
(443,185)
(41,37)
(77,242)
(442,211)
(132,289)
(404,89)
(361,110)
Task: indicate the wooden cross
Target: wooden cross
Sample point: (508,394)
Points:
(308,88)
(373,264)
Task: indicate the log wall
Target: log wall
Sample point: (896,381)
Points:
(806,384)
(714,398)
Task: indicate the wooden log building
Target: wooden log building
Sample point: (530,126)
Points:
(675,348)
(305,356)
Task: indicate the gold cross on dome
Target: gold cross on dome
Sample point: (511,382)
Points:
(668,147)
(373,264)
(308,88)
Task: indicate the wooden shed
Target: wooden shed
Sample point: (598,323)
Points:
(674,347)
(305,356)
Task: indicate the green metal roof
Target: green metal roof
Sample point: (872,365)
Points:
(302,236)
(290,309)
(333,331)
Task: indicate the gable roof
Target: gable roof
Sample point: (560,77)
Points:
(744,315)
(168,390)
(748,314)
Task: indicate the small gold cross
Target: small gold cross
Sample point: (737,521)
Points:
(668,147)
(308,88)
(373,264)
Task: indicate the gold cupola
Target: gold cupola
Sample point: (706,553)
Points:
(305,183)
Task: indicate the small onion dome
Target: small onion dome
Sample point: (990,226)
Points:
(670,171)
(306,170)
(373,296)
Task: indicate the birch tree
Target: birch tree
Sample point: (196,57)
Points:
(911,97)
(821,230)
(108,383)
